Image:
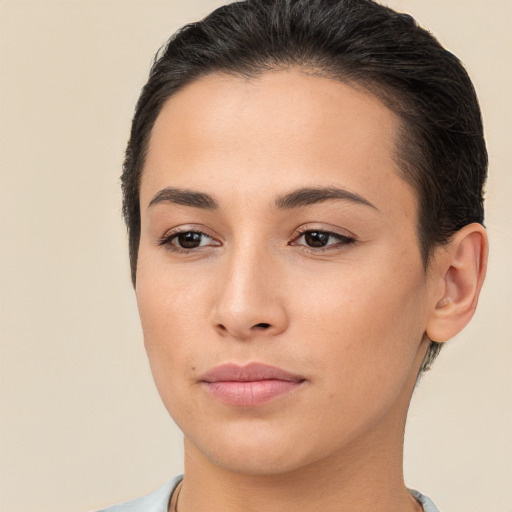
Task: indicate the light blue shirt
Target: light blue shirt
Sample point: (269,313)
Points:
(158,501)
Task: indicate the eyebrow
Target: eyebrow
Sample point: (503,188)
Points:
(185,198)
(309,196)
(296,199)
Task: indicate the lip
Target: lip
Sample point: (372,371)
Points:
(249,385)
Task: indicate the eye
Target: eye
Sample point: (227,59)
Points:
(187,240)
(317,239)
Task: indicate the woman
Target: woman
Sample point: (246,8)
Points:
(303,195)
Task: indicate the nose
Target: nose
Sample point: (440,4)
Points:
(250,299)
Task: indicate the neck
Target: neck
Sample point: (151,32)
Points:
(356,480)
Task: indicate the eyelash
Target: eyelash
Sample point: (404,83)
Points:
(168,238)
(343,240)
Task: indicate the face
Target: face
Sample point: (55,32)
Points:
(280,284)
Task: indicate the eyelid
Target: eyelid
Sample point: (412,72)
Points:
(185,228)
(166,239)
(344,237)
(331,230)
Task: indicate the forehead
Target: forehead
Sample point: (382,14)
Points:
(281,129)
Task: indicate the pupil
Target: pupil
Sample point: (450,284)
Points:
(316,239)
(189,240)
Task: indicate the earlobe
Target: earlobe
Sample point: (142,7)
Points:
(458,273)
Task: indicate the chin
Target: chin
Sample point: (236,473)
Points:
(256,461)
(256,450)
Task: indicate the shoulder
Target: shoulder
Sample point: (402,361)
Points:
(427,504)
(157,501)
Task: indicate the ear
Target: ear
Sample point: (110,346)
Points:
(458,272)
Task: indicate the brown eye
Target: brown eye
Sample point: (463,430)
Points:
(189,240)
(316,238)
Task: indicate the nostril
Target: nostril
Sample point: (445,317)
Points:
(262,326)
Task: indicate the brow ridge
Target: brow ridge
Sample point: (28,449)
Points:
(184,197)
(312,195)
(306,196)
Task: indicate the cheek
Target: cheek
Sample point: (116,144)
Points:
(165,319)
(168,302)
(366,329)
(362,342)
(168,312)
(175,308)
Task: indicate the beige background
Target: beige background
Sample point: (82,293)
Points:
(81,425)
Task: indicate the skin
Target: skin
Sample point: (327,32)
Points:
(351,319)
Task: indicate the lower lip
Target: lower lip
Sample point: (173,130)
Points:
(250,393)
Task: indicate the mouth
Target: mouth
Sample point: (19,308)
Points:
(250,385)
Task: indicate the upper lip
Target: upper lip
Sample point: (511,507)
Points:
(248,373)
